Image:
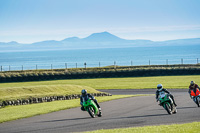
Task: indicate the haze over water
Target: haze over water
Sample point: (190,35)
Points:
(100,57)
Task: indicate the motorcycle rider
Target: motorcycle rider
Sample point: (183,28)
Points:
(193,87)
(161,89)
(87,95)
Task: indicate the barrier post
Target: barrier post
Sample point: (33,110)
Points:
(85,65)
(66,65)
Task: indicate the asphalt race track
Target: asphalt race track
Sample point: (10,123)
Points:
(128,112)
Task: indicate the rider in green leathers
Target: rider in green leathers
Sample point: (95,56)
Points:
(87,95)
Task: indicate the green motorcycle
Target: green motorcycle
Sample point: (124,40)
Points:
(167,104)
(90,106)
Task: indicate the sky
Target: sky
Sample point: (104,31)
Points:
(28,21)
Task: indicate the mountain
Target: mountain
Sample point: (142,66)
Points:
(183,41)
(9,43)
(71,39)
(102,37)
(46,43)
(95,40)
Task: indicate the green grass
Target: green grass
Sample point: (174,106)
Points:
(169,82)
(174,128)
(25,92)
(23,111)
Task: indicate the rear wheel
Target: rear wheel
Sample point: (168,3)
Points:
(168,108)
(100,114)
(197,101)
(174,109)
(91,111)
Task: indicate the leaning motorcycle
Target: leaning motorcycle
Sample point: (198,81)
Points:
(195,96)
(167,104)
(90,106)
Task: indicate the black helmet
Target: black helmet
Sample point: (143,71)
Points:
(192,83)
(84,92)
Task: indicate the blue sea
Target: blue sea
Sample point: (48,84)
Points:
(99,57)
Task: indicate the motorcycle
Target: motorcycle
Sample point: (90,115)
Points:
(195,96)
(167,103)
(90,106)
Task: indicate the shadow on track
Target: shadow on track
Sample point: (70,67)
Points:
(67,119)
(186,107)
(142,116)
(181,108)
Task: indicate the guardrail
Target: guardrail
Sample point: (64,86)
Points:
(94,64)
(105,72)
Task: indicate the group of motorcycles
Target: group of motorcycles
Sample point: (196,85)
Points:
(165,101)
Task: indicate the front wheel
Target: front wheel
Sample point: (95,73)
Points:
(167,107)
(91,111)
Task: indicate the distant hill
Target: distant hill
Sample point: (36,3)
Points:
(9,43)
(102,37)
(71,39)
(47,43)
(95,40)
(190,41)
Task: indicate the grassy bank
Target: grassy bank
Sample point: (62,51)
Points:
(169,82)
(23,111)
(37,91)
(178,128)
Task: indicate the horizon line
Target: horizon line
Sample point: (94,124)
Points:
(96,33)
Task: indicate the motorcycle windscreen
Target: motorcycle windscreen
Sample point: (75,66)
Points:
(162,94)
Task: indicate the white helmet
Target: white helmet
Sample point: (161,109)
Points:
(159,87)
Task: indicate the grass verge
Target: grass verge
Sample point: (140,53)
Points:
(25,92)
(178,128)
(169,82)
(23,111)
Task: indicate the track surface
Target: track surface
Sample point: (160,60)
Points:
(128,112)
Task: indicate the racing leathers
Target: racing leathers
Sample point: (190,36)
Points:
(194,88)
(86,97)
